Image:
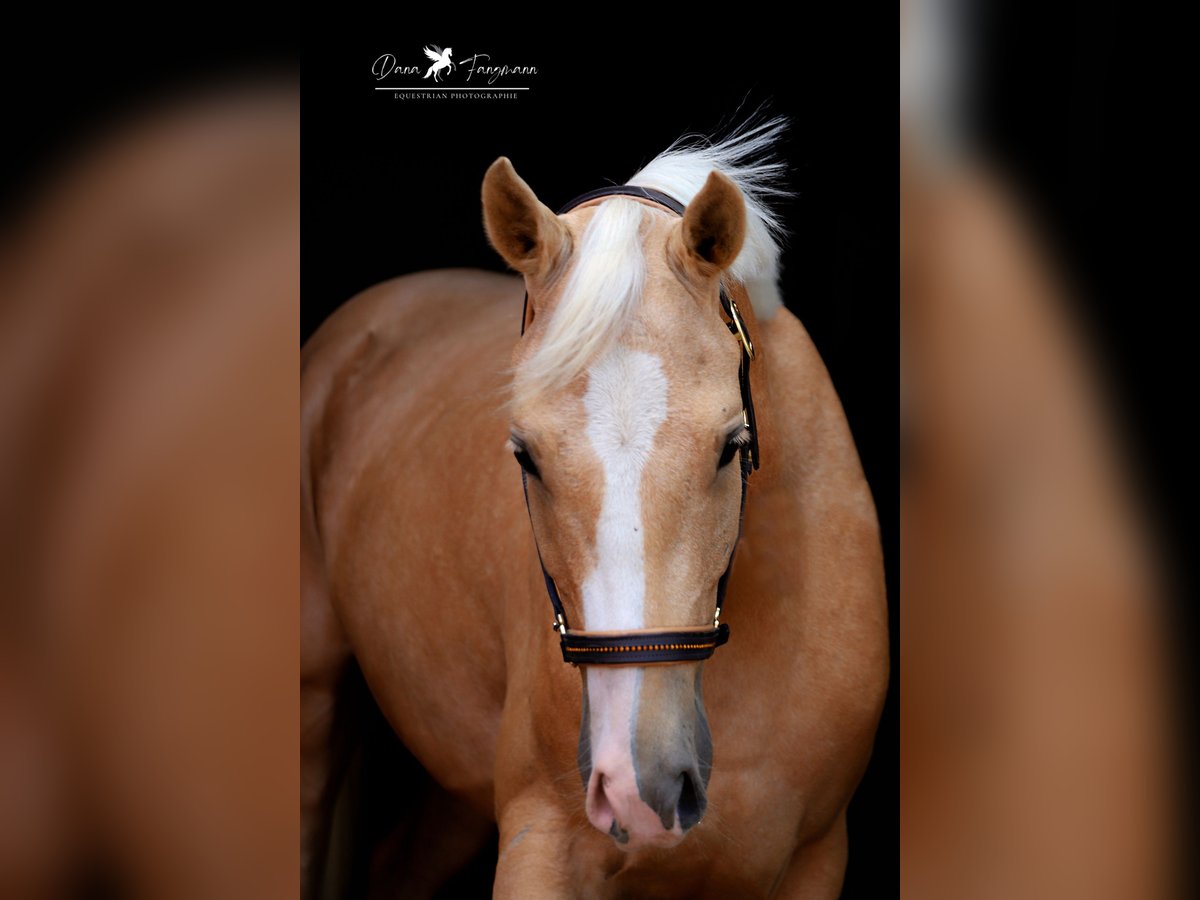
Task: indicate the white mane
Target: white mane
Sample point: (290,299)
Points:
(605,284)
(746,156)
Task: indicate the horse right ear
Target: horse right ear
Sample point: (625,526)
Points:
(522,229)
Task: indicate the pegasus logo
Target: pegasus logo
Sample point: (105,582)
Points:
(441,60)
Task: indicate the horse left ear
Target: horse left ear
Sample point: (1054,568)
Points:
(522,229)
(714,224)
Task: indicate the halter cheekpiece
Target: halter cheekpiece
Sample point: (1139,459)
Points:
(649,646)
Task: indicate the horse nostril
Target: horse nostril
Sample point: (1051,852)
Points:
(691,802)
(619,834)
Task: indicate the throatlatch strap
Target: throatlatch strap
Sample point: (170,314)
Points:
(652,646)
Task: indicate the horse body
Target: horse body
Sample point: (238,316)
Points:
(420,561)
(399,580)
(625,402)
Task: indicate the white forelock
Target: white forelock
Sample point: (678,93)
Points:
(606,280)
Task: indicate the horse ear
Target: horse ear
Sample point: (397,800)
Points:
(527,234)
(714,224)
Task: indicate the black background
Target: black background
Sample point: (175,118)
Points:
(392,186)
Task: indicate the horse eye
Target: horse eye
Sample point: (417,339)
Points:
(738,439)
(526,461)
(728,453)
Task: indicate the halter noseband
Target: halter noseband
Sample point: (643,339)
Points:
(648,646)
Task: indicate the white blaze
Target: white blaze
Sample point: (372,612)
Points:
(626,401)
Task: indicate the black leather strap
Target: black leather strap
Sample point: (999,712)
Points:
(626,190)
(640,648)
(723,581)
(750,449)
(560,614)
(652,646)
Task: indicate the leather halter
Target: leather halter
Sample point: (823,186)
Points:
(650,646)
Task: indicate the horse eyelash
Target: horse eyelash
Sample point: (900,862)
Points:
(740,438)
(519,451)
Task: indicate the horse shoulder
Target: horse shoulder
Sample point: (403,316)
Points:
(808,602)
(403,445)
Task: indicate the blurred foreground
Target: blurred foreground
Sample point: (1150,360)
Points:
(148,525)
(1039,753)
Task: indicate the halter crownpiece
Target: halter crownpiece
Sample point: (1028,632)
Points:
(650,646)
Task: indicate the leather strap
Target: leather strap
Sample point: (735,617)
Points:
(649,646)
(644,647)
(626,190)
(560,614)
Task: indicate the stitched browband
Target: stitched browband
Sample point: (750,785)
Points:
(654,646)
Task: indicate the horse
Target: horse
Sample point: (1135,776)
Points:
(441,60)
(621,399)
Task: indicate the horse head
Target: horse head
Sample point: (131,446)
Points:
(628,419)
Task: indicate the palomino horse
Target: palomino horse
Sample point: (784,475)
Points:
(622,403)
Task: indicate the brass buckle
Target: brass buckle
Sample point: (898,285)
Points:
(749,447)
(559,625)
(717,618)
(736,315)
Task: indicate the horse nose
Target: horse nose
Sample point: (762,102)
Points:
(673,794)
(638,813)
